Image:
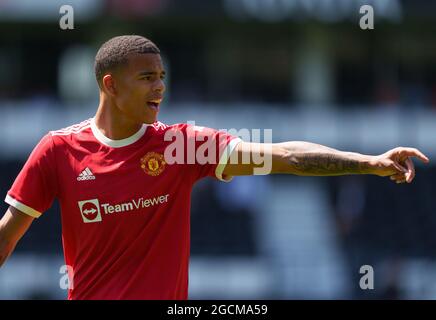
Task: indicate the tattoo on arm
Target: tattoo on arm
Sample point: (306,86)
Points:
(325,164)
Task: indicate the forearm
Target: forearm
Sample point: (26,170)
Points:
(7,242)
(6,249)
(310,159)
(13,225)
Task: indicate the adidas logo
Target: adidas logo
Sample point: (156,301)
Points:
(86,175)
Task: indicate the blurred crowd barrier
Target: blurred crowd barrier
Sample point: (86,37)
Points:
(366,129)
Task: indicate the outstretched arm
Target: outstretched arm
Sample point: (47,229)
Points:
(13,225)
(310,159)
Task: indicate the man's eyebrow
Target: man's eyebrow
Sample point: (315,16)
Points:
(147,73)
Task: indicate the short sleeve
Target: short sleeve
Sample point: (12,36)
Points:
(212,151)
(201,151)
(35,187)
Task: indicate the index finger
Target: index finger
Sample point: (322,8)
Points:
(413,152)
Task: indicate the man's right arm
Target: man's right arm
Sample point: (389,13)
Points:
(310,159)
(13,225)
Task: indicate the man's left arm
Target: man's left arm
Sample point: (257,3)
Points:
(310,159)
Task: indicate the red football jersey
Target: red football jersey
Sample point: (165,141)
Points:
(125,204)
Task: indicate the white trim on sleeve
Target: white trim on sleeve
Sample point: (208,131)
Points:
(225,158)
(22,207)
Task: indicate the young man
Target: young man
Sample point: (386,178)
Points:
(125,201)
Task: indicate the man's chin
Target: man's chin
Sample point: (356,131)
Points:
(150,121)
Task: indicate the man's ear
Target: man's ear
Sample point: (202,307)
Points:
(108,82)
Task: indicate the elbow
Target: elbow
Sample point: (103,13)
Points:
(289,162)
(283,161)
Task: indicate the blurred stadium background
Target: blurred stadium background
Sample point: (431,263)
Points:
(302,68)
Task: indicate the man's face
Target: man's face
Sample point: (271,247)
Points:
(139,87)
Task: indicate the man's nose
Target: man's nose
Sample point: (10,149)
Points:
(160,86)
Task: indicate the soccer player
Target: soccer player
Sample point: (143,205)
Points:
(124,180)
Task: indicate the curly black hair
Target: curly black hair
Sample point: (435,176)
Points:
(114,53)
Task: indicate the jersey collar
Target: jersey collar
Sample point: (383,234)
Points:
(117,143)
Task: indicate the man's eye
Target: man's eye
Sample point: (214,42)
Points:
(162,77)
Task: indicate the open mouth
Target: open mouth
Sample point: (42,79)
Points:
(153,104)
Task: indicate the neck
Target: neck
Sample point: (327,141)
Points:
(112,123)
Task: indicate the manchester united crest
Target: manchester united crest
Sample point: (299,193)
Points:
(153,163)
